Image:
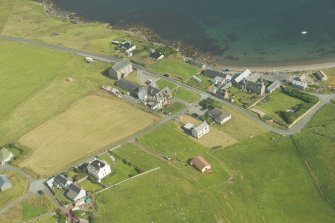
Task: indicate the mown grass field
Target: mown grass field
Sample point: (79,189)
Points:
(278,101)
(90,124)
(316,144)
(6,8)
(186,95)
(20,185)
(33,81)
(176,68)
(175,107)
(28,209)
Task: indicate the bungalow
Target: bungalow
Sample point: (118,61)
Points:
(299,85)
(219,116)
(156,55)
(237,79)
(255,87)
(273,86)
(128,46)
(121,69)
(75,192)
(5,155)
(5,183)
(99,169)
(59,181)
(215,73)
(200,130)
(321,76)
(196,63)
(201,164)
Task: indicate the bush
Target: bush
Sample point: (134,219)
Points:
(290,117)
(209,103)
(308,98)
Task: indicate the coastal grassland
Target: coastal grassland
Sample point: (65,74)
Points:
(271,183)
(6,8)
(174,193)
(331,77)
(167,138)
(20,185)
(186,95)
(90,124)
(276,102)
(28,209)
(175,67)
(316,145)
(33,81)
(28,19)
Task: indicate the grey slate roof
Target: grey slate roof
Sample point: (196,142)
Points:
(120,65)
(274,86)
(73,191)
(97,164)
(4,182)
(201,127)
(239,77)
(128,85)
(61,179)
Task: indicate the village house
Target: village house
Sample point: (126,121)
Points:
(321,76)
(200,130)
(299,85)
(128,47)
(219,116)
(156,55)
(274,86)
(121,69)
(215,73)
(5,155)
(5,183)
(75,192)
(99,169)
(255,87)
(59,181)
(238,78)
(201,164)
(196,63)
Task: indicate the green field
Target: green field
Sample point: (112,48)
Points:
(175,107)
(31,86)
(20,185)
(161,83)
(316,145)
(6,8)
(174,67)
(276,102)
(186,95)
(168,140)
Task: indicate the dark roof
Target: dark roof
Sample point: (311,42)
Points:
(128,85)
(156,54)
(75,188)
(97,164)
(214,73)
(215,112)
(127,45)
(60,179)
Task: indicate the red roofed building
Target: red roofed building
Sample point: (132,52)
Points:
(201,164)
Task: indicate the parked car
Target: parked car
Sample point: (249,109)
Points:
(167,158)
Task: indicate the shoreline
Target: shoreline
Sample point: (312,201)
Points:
(189,51)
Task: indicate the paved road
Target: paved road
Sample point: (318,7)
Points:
(105,58)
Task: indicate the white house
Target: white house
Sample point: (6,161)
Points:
(200,130)
(99,169)
(5,155)
(240,77)
(59,181)
(75,192)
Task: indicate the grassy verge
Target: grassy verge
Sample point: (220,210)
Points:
(186,95)
(316,146)
(163,83)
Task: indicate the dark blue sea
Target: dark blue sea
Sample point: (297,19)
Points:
(235,32)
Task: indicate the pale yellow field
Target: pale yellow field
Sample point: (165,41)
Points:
(90,124)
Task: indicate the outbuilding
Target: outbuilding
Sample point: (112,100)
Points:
(201,164)
(5,183)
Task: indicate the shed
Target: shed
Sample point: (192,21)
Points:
(201,164)
(5,183)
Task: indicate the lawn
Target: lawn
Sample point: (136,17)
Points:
(168,140)
(161,83)
(276,102)
(6,8)
(186,95)
(316,145)
(175,67)
(271,185)
(89,125)
(20,185)
(35,206)
(175,107)
(90,186)
(30,86)
(243,98)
